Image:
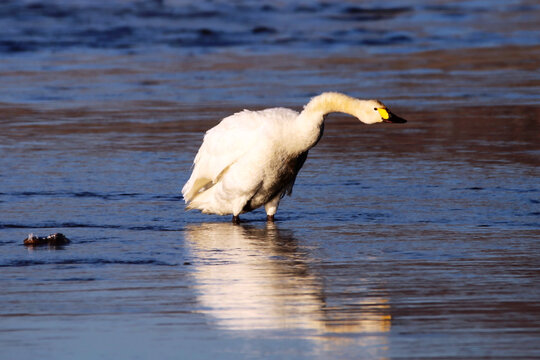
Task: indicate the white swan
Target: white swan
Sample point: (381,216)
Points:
(252,158)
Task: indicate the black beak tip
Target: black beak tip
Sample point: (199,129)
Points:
(398,120)
(395,119)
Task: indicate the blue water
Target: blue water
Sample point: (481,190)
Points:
(265,25)
(407,241)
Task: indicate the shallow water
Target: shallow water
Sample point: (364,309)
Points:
(400,241)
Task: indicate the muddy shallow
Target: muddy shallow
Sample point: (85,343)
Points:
(400,241)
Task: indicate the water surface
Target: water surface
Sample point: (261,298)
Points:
(400,241)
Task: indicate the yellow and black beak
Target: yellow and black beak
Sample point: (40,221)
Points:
(393,118)
(390,117)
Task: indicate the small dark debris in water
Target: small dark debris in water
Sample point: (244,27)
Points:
(53,239)
(206,32)
(187,263)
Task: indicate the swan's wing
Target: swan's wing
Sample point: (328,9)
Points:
(225,143)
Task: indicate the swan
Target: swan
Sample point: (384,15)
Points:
(252,158)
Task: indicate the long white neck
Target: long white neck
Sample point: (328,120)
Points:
(309,123)
(329,102)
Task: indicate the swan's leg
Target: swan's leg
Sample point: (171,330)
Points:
(271,208)
(237,207)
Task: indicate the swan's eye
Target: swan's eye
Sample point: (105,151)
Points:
(384,113)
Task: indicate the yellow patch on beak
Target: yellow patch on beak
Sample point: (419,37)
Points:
(384,113)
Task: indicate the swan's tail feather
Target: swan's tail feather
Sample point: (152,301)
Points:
(198,185)
(205,201)
(193,188)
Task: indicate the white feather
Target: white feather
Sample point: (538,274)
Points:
(251,158)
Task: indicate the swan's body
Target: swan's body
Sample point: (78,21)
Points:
(251,158)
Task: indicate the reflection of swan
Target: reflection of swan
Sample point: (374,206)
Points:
(251,158)
(251,278)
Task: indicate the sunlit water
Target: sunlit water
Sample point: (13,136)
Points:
(400,241)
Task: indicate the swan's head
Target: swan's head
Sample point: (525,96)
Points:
(374,111)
